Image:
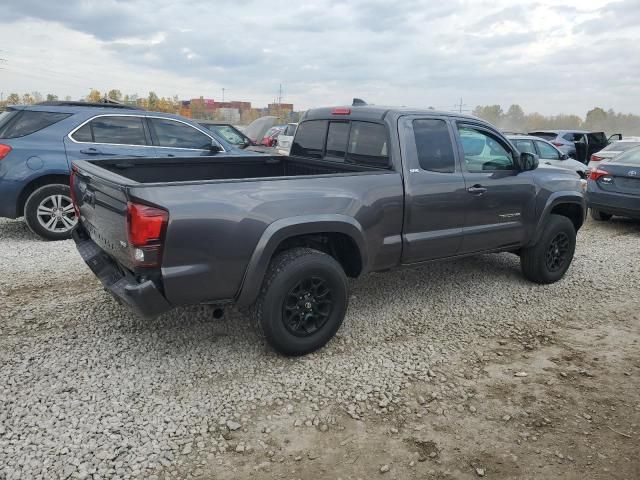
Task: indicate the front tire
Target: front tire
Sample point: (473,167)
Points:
(599,216)
(303,301)
(549,259)
(49,212)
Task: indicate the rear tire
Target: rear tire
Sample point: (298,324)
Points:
(302,302)
(599,216)
(49,212)
(549,259)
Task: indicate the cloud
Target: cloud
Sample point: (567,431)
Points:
(549,56)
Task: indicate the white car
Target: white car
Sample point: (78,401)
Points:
(613,150)
(285,138)
(547,153)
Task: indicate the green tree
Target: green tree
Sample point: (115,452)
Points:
(152,101)
(51,97)
(596,119)
(491,113)
(13,99)
(514,119)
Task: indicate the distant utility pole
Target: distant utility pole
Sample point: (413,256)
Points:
(223,89)
(280,95)
(458,106)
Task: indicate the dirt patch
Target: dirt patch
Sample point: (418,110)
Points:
(567,408)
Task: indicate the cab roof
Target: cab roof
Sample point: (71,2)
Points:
(375,112)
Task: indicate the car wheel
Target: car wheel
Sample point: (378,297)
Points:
(548,260)
(49,212)
(600,216)
(302,302)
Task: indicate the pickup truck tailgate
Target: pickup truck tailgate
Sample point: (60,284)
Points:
(103,214)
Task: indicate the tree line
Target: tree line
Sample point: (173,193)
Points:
(150,102)
(596,119)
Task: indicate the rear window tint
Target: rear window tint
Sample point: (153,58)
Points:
(309,139)
(26,122)
(434,147)
(118,130)
(290,130)
(368,145)
(545,135)
(337,141)
(83,134)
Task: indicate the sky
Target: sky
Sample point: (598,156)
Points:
(551,56)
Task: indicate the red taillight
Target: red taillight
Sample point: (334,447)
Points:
(4,150)
(146,227)
(596,158)
(557,144)
(72,184)
(341,111)
(597,173)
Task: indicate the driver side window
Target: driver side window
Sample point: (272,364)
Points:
(483,152)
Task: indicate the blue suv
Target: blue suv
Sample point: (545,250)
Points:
(39,142)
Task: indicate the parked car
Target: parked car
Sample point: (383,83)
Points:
(612,150)
(364,189)
(38,143)
(614,187)
(548,153)
(257,129)
(271,136)
(283,145)
(227,131)
(577,144)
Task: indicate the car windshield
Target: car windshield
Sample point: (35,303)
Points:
(630,157)
(621,146)
(230,134)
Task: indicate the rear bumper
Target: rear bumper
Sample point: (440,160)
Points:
(144,298)
(620,204)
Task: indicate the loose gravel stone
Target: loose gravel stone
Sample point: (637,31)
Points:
(86,383)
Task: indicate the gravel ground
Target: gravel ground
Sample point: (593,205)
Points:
(90,391)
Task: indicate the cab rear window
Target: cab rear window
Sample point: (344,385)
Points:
(20,123)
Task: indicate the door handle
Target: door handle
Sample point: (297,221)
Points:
(91,151)
(477,190)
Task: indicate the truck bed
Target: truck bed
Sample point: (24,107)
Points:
(165,170)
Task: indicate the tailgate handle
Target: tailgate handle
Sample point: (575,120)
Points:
(91,151)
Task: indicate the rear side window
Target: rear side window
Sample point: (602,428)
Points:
(368,145)
(179,135)
(309,139)
(290,131)
(26,122)
(113,130)
(337,139)
(434,147)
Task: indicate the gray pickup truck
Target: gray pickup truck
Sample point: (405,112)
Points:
(364,189)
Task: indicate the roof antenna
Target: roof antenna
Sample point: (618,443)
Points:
(357,102)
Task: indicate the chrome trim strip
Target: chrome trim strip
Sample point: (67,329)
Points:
(133,145)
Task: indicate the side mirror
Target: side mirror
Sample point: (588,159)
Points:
(528,161)
(215,147)
(564,156)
